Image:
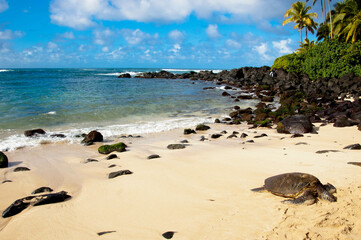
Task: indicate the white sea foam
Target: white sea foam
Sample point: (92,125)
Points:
(19,140)
(190,70)
(51,113)
(5,70)
(119,73)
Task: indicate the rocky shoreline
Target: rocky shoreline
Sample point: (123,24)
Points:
(320,101)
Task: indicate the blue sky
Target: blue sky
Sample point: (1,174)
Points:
(214,34)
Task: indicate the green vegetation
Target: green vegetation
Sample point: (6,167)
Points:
(338,48)
(327,59)
(118,147)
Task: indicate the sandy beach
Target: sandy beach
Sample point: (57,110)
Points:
(200,192)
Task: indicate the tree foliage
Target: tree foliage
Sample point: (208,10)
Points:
(327,59)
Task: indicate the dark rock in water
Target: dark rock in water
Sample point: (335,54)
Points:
(355,163)
(359,127)
(326,151)
(21,169)
(34,132)
(202,127)
(353,147)
(153,156)
(111,166)
(112,156)
(184,141)
(119,173)
(189,131)
(125,75)
(21,204)
(262,135)
(301,143)
(224,132)
(250,141)
(216,135)
(295,124)
(225,94)
(93,136)
(58,135)
(217,121)
(105,232)
(90,160)
(176,146)
(42,190)
(168,235)
(118,147)
(7,181)
(297,135)
(235,132)
(4,162)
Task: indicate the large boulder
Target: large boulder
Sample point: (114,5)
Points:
(34,132)
(296,124)
(118,147)
(3,160)
(93,136)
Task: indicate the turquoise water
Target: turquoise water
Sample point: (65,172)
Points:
(73,101)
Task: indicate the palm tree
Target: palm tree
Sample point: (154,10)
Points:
(323,8)
(298,13)
(347,20)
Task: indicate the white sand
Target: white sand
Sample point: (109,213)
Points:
(201,192)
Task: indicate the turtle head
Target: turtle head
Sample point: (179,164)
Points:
(325,192)
(328,196)
(330,188)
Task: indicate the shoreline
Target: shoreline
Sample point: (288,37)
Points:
(202,191)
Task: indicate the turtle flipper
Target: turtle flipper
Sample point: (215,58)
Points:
(260,189)
(307,198)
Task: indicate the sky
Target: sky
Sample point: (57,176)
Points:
(206,34)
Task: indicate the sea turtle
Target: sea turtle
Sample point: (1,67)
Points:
(302,187)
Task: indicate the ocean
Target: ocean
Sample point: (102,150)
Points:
(75,101)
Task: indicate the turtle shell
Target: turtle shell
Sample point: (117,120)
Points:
(290,184)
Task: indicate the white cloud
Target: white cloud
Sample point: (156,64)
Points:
(176,36)
(135,37)
(282,46)
(103,37)
(8,34)
(3,5)
(81,14)
(212,31)
(262,51)
(68,35)
(176,48)
(105,49)
(230,43)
